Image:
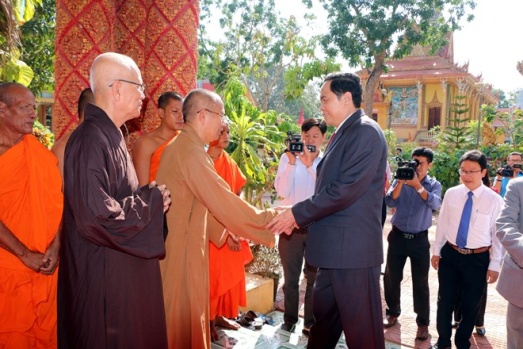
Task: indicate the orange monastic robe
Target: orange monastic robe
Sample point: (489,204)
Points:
(31,206)
(226,267)
(155,158)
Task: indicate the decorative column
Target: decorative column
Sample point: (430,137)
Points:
(84,29)
(444,104)
(421,102)
(161,36)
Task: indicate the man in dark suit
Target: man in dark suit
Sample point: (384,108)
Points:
(343,218)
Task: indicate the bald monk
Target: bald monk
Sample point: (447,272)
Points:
(148,148)
(31,205)
(227,263)
(201,200)
(110,292)
(86,96)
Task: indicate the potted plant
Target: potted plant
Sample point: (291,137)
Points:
(266,263)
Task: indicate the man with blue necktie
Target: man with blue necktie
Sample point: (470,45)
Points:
(466,250)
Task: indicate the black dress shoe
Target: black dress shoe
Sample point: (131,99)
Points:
(288,327)
(390,320)
(480,330)
(437,346)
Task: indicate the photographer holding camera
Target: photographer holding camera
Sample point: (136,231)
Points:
(295,182)
(414,194)
(504,174)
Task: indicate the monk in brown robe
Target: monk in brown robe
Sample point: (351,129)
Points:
(148,149)
(199,193)
(31,205)
(110,292)
(86,96)
(227,263)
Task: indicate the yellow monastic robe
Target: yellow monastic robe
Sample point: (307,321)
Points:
(196,190)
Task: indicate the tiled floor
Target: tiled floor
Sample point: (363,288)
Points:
(271,337)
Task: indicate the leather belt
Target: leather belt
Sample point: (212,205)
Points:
(410,236)
(469,250)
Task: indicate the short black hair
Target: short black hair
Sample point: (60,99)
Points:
(86,96)
(475,156)
(165,97)
(425,152)
(311,122)
(346,82)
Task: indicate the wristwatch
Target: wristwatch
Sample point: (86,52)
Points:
(420,190)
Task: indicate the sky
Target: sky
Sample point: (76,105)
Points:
(492,43)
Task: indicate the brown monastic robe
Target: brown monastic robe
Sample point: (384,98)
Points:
(197,189)
(110,293)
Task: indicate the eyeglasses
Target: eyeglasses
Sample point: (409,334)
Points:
(222,116)
(141,87)
(468,173)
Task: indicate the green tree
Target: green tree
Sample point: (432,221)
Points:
(260,47)
(255,139)
(14,14)
(513,125)
(38,37)
(367,33)
(457,135)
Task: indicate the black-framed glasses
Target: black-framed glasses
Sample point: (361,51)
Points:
(467,173)
(141,87)
(222,116)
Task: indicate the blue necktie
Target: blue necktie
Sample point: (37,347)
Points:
(463,229)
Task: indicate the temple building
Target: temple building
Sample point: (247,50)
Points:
(418,91)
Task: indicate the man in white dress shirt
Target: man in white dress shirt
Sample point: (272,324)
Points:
(476,260)
(295,182)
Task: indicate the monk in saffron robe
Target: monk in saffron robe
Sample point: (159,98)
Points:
(199,193)
(31,205)
(86,96)
(149,148)
(110,292)
(226,263)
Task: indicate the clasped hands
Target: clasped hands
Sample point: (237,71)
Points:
(284,222)
(166,194)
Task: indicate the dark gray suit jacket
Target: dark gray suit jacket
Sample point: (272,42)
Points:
(510,233)
(343,217)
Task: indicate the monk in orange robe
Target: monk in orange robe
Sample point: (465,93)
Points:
(148,148)
(31,205)
(226,263)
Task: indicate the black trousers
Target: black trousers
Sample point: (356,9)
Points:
(399,250)
(480,320)
(292,253)
(469,271)
(347,300)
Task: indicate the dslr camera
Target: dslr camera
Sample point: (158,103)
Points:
(406,169)
(295,145)
(507,170)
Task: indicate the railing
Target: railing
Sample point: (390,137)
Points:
(428,136)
